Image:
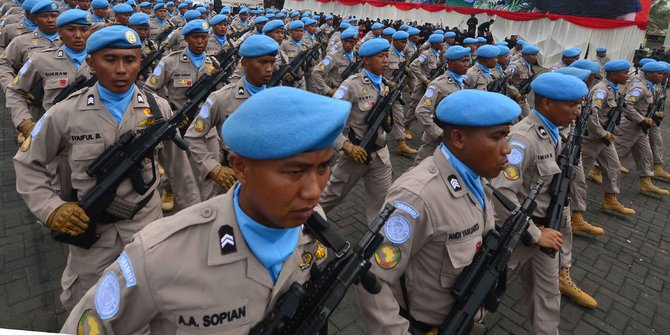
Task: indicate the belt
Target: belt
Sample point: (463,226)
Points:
(422,326)
(354,140)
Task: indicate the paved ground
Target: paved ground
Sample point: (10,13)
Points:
(626,270)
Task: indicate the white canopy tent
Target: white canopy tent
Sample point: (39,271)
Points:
(550,36)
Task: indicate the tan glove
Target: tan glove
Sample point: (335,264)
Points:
(288,77)
(392,83)
(224,176)
(647,122)
(331,92)
(356,153)
(518,97)
(426,82)
(608,138)
(69,218)
(659,115)
(26,126)
(20,138)
(184,123)
(408,72)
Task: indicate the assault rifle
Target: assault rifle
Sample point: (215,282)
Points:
(227,60)
(237,34)
(560,183)
(524,87)
(353,67)
(439,70)
(304,309)
(149,60)
(499,85)
(614,116)
(164,34)
(36,95)
(121,161)
(651,113)
(292,68)
(482,283)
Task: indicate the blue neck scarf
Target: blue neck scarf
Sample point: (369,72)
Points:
(397,52)
(296,42)
(244,23)
(349,55)
(116,103)
(530,67)
(375,79)
(197,60)
(77,57)
(160,21)
(485,70)
(653,86)
(457,78)
(499,67)
(435,52)
(412,44)
(50,37)
(312,36)
(551,127)
(29,24)
(614,86)
(472,180)
(271,246)
(251,88)
(97,18)
(221,39)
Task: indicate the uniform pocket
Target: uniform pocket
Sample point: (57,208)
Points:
(56,83)
(81,157)
(459,255)
(548,168)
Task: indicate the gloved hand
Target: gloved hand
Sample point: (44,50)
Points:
(26,126)
(20,138)
(392,83)
(69,218)
(355,152)
(426,82)
(608,138)
(408,72)
(518,97)
(224,176)
(184,123)
(331,92)
(647,122)
(288,77)
(659,115)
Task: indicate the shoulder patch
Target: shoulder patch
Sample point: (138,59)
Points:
(515,157)
(340,92)
(227,240)
(25,67)
(90,323)
(108,296)
(403,206)
(158,69)
(387,256)
(542,131)
(430,91)
(326,60)
(127,269)
(519,144)
(600,94)
(204,109)
(455,184)
(511,172)
(397,229)
(38,125)
(422,58)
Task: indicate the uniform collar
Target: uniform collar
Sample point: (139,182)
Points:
(91,101)
(452,179)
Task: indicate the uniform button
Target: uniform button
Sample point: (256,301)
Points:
(207,212)
(432,169)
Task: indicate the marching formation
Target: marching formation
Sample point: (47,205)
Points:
(251,125)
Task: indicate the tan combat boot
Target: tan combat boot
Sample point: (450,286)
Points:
(580,225)
(167,201)
(624,169)
(661,174)
(570,288)
(647,188)
(403,148)
(595,175)
(408,135)
(612,205)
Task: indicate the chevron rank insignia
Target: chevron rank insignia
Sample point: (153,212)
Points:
(455,184)
(227,240)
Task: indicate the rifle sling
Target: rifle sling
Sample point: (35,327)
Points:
(422,326)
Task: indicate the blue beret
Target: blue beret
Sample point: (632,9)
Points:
(304,19)
(116,36)
(601,49)
(617,65)
(344,25)
(586,64)
(272,25)
(306,14)
(529,49)
(349,33)
(560,87)
(281,15)
(294,13)
(191,14)
(377,25)
(477,108)
(400,35)
(195,26)
(145,4)
(667,66)
(182,5)
(644,61)
(261,20)
(316,18)
(436,38)
(502,43)
(281,122)
(581,74)
(404,27)
(470,40)
(270,16)
(201,10)
(388,31)
(225,10)
(329,17)
(122,8)
(413,31)
(373,46)
(131,2)
(449,34)
(296,25)
(169,3)
(99,4)
(76,16)
(456,52)
(439,31)
(653,67)
(28,5)
(572,52)
(190,2)
(45,6)
(521,42)
(488,51)
(310,22)
(244,10)
(481,39)
(159,6)
(219,18)
(139,19)
(503,50)
(257,46)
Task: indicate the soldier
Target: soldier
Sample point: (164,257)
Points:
(602,59)
(535,144)
(422,70)
(175,41)
(449,39)
(258,56)
(569,56)
(458,60)
(655,138)
(84,4)
(22,47)
(53,69)
(479,76)
(292,47)
(443,195)
(160,21)
(122,13)
(178,19)
(240,23)
(503,60)
(396,59)
(327,75)
(520,71)
(100,10)
(630,137)
(516,51)
(471,43)
(309,40)
(68,4)
(327,27)
(139,22)
(81,127)
(177,72)
(363,90)
(376,30)
(145,7)
(592,67)
(218,40)
(24,26)
(259,22)
(229,267)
